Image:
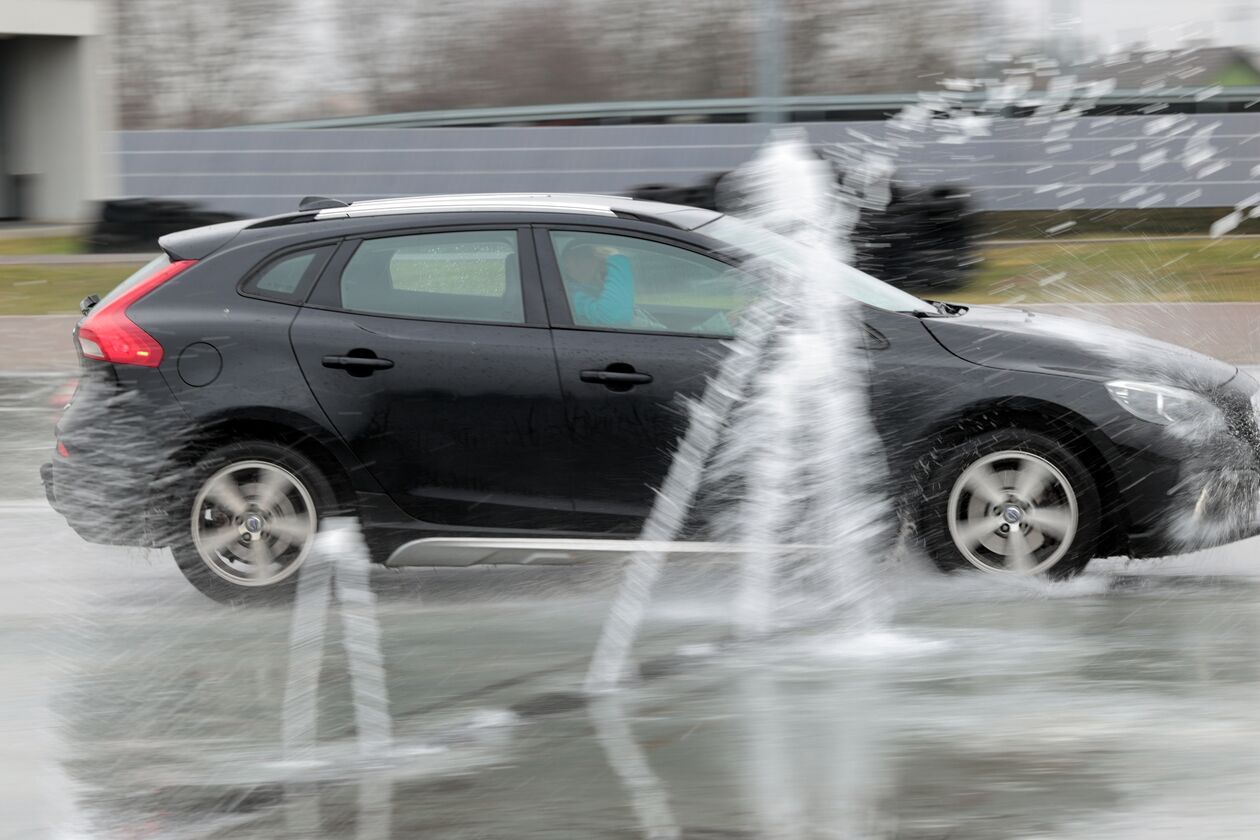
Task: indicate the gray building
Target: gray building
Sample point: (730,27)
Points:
(56,109)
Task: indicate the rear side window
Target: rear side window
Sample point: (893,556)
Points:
(288,277)
(455,276)
(284,276)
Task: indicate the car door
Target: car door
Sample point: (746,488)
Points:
(623,373)
(429,352)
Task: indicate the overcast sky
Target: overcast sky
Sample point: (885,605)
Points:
(1160,23)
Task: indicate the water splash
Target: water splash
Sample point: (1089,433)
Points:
(782,431)
(1216,500)
(338,556)
(802,445)
(648,794)
(676,497)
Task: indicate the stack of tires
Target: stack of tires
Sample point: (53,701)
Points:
(135,224)
(923,240)
(702,195)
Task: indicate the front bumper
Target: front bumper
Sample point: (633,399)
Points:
(1213,505)
(1199,482)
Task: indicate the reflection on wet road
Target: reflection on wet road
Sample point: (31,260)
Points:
(1120,705)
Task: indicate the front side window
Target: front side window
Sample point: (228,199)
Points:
(621,282)
(457,276)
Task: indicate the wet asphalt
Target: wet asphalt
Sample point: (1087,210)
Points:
(1123,704)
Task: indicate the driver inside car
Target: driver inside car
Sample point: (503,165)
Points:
(600,286)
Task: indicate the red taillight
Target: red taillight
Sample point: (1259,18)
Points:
(108,335)
(62,451)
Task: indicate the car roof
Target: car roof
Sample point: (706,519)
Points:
(197,243)
(675,215)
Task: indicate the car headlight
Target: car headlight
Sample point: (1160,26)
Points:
(1162,404)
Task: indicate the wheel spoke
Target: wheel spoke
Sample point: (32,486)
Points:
(220,538)
(1031,480)
(295,529)
(1055,521)
(986,484)
(272,487)
(260,558)
(971,532)
(1018,557)
(226,493)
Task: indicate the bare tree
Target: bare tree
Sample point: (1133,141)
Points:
(199,65)
(219,62)
(138,87)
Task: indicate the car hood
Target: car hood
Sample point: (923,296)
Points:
(1014,339)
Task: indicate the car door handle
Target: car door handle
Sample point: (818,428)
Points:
(615,378)
(603,377)
(357,363)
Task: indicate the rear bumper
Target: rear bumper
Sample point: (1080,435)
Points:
(100,509)
(46,476)
(117,434)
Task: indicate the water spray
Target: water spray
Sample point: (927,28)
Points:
(785,419)
(339,557)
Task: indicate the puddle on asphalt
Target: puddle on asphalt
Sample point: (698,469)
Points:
(1109,709)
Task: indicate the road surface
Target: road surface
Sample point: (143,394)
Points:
(1120,705)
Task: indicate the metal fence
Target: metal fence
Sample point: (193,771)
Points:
(1183,160)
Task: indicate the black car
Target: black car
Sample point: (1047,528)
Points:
(417,363)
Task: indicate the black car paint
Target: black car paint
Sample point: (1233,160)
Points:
(1014,339)
(514,440)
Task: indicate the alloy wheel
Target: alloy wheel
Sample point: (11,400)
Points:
(1012,512)
(253,523)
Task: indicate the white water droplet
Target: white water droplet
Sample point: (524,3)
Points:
(1225,224)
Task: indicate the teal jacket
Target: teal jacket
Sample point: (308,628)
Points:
(614,305)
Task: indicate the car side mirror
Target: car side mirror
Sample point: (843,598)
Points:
(85,305)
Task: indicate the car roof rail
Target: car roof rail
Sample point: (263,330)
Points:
(475,202)
(314,208)
(319,202)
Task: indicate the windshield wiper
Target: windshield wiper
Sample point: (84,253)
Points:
(943,310)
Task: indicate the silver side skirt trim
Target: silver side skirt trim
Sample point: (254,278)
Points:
(524,551)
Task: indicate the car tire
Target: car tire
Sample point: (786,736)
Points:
(246,519)
(1039,499)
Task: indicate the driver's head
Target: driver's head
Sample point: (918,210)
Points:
(581,263)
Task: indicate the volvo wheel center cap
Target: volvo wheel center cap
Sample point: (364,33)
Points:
(1012,514)
(253,524)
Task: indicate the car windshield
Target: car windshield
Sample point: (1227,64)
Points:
(760,242)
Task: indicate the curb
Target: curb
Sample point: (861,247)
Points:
(74,259)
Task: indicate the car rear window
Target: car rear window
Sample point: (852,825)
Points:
(147,270)
(459,275)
